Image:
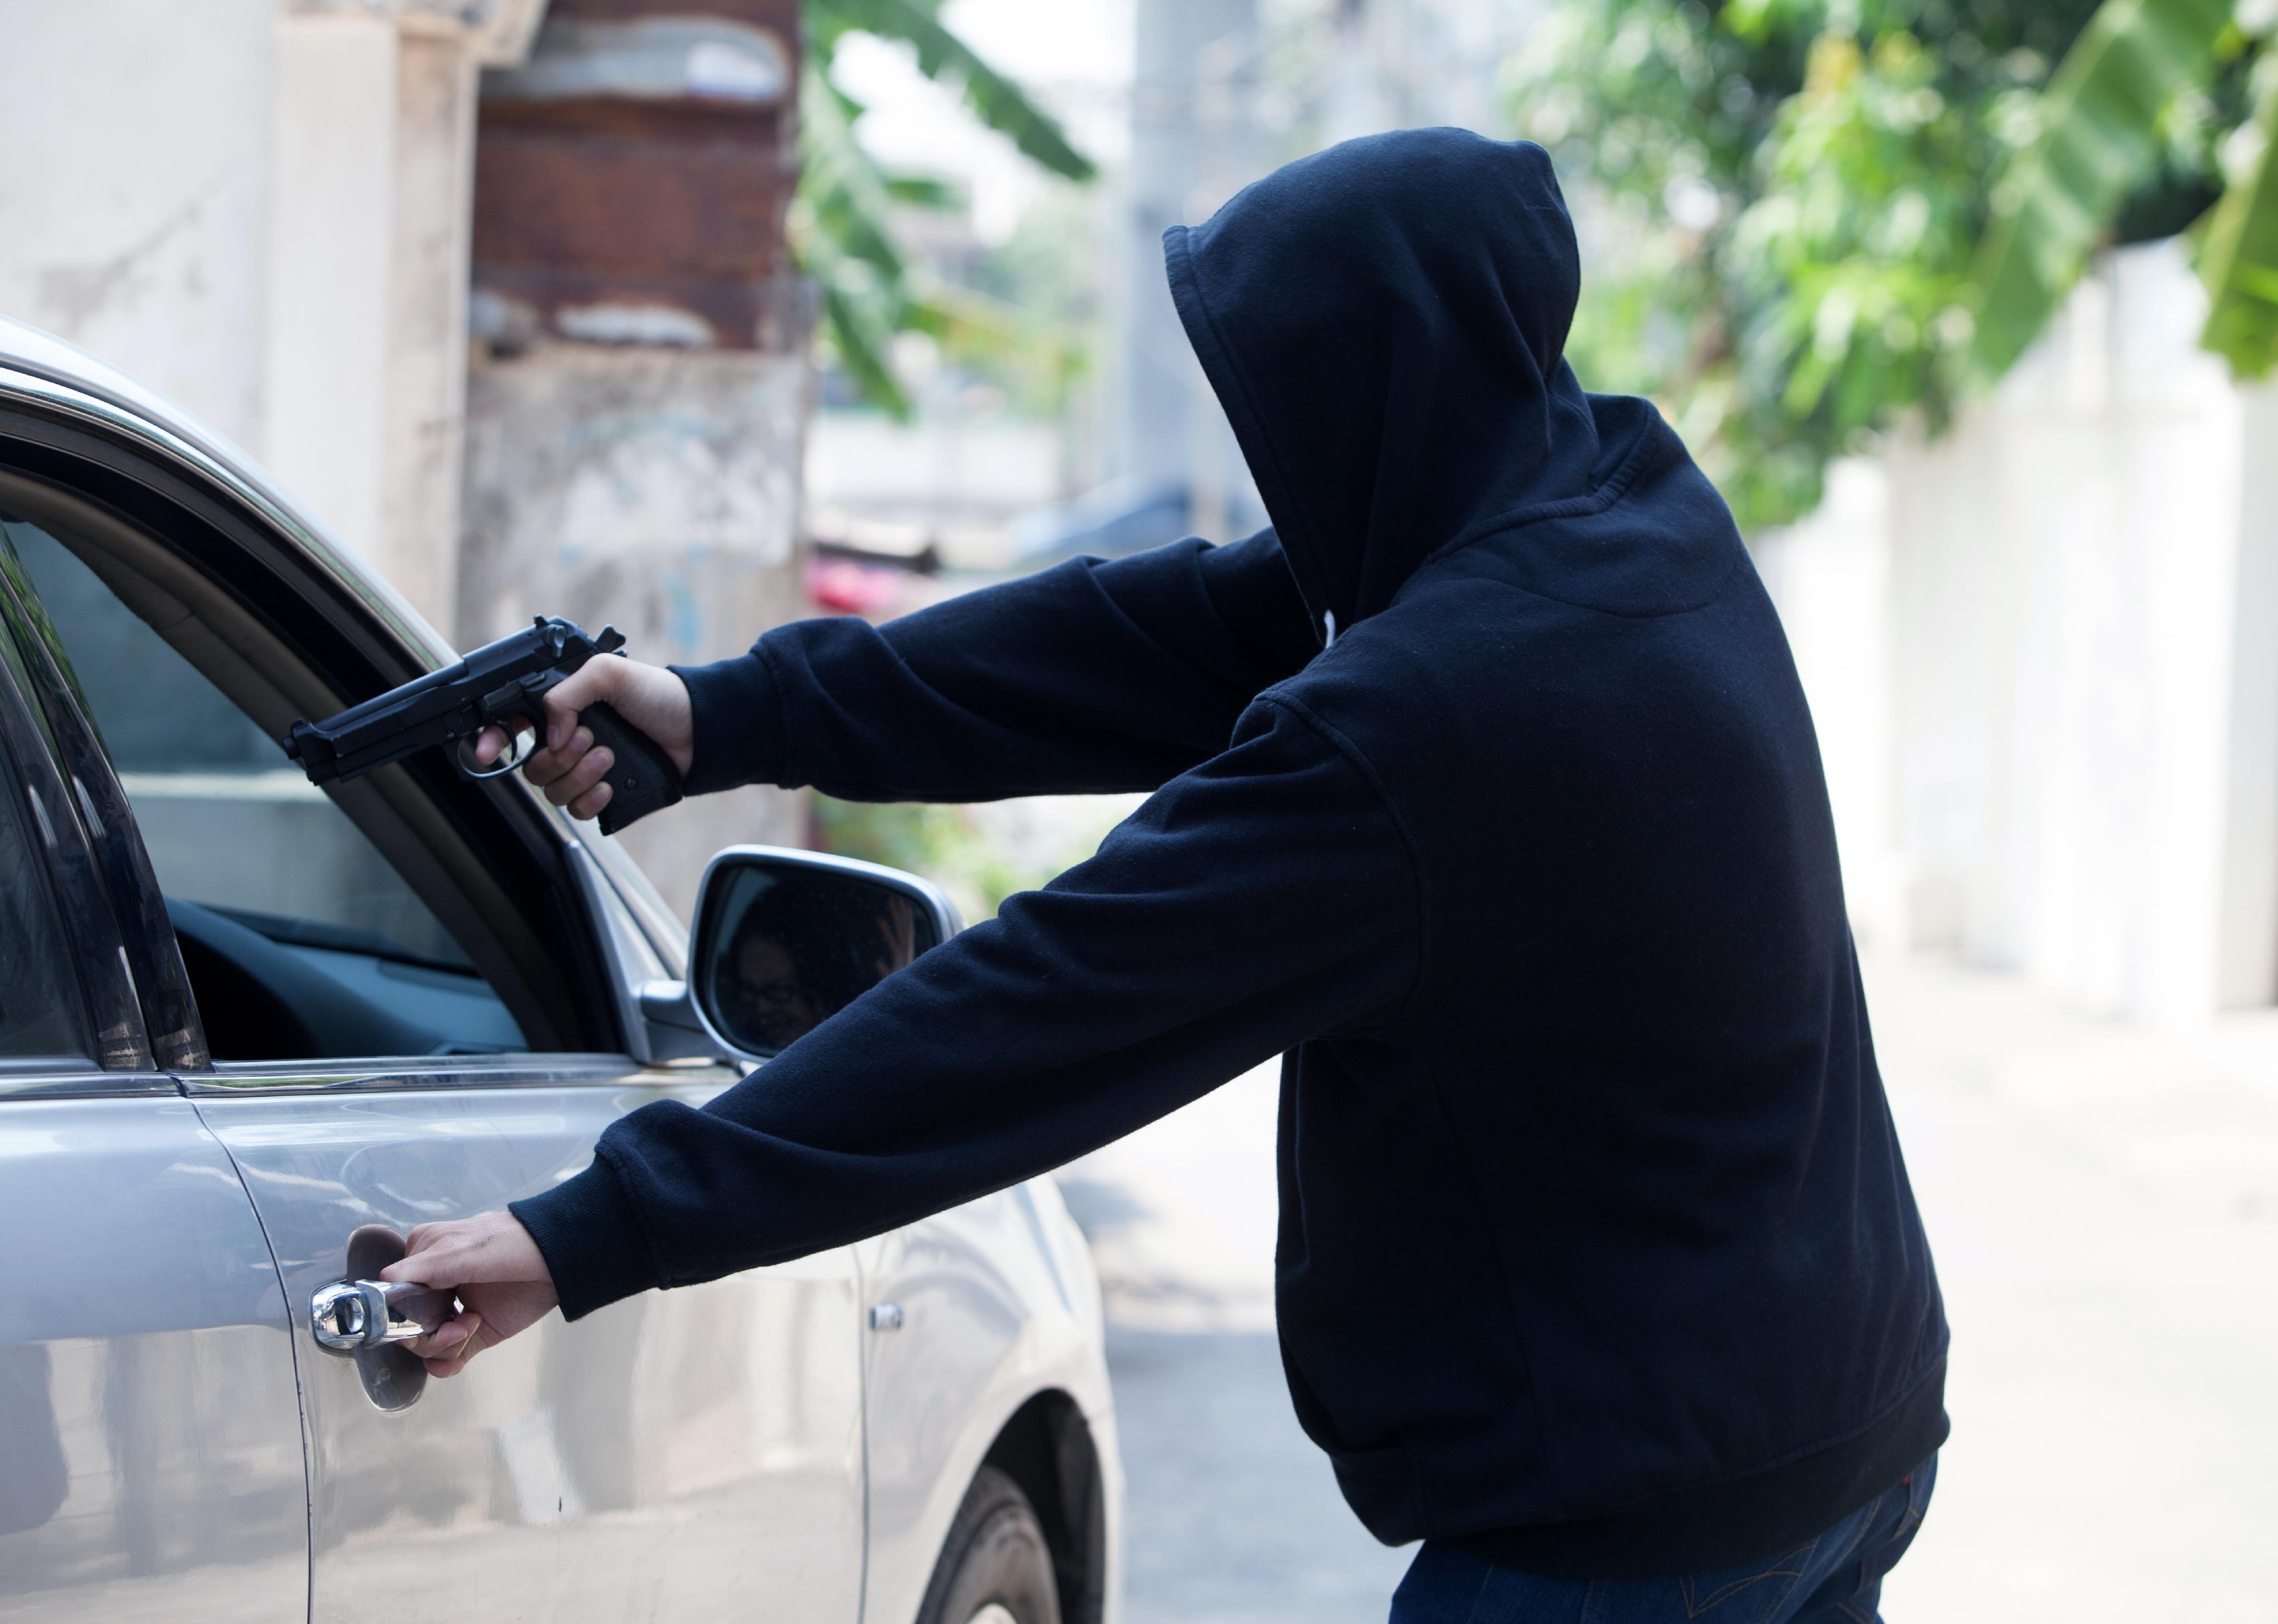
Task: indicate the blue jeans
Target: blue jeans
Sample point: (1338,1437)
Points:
(1835,1579)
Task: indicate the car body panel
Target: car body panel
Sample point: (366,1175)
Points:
(745,1448)
(998,1301)
(150,1463)
(664,1457)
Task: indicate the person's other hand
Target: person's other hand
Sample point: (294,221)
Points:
(568,767)
(499,1274)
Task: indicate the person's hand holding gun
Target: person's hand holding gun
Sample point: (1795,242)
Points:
(568,767)
(551,675)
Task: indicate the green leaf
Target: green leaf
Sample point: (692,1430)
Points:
(840,183)
(999,103)
(2099,137)
(924,191)
(844,239)
(861,319)
(2240,262)
(843,226)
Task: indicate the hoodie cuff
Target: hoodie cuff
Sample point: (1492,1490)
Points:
(590,1233)
(737,719)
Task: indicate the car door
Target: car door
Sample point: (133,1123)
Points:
(693,1454)
(150,1462)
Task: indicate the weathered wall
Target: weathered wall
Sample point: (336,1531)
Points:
(636,409)
(259,206)
(656,490)
(2042,656)
(134,210)
(367,321)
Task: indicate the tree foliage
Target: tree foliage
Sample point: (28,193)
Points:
(2240,262)
(2142,68)
(2099,129)
(1791,200)
(843,219)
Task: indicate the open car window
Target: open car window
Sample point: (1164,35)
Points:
(300,940)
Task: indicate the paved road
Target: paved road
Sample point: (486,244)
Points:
(2103,1201)
(1234,1518)
(2104,1204)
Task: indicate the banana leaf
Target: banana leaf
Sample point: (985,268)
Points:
(999,103)
(2098,138)
(847,200)
(2240,262)
(843,226)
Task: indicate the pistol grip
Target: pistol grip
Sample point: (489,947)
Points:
(641,779)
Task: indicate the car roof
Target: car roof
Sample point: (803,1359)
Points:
(26,350)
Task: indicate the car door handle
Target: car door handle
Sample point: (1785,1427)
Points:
(349,1314)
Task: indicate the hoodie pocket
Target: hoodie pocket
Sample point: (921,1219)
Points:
(1397,1328)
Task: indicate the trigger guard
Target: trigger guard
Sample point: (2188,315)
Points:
(520,746)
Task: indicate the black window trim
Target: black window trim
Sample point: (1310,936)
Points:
(170,1014)
(99,967)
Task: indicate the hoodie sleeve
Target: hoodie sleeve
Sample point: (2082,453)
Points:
(1259,900)
(1089,678)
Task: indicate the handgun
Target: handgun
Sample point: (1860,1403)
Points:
(501,684)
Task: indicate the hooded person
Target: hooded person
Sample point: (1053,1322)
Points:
(1484,791)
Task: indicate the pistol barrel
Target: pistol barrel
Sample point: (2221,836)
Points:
(439,708)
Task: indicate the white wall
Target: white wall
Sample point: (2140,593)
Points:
(330,259)
(2040,653)
(134,200)
(261,208)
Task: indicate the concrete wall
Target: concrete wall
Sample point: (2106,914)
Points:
(260,208)
(135,211)
(2042,656)
(1195,142)
(365,345)
(656,489)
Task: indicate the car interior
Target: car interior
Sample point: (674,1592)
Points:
(301,939)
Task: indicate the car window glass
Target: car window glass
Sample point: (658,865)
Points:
(301,938)
(41,1014)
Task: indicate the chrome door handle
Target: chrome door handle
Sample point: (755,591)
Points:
(349,1314)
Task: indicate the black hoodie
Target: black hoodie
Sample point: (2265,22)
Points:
(1596,1249)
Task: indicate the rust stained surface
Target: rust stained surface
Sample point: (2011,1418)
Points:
(670,206)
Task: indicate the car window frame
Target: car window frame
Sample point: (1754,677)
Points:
(100,962)
(175,1032)
(79,452)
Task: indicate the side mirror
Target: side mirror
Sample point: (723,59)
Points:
(785,940)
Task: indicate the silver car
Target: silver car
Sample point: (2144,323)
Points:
(251,1033)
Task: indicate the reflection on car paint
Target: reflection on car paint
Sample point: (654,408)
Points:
(666,1456)
(148,1425)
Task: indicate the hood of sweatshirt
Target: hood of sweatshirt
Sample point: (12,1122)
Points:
(1384,323)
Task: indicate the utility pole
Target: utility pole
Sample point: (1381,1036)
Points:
(1195,142)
